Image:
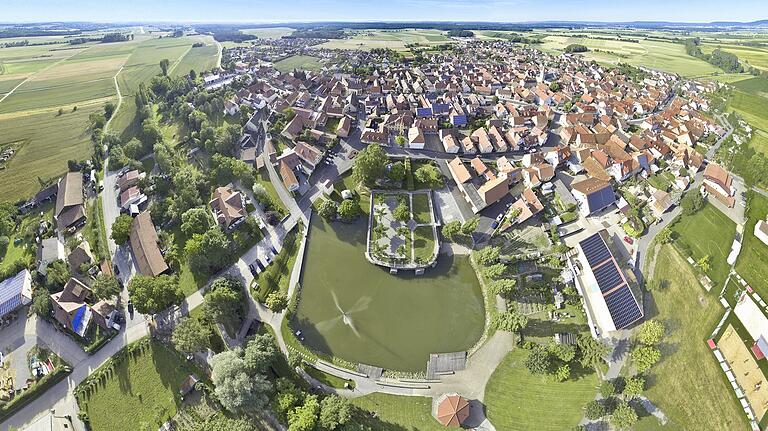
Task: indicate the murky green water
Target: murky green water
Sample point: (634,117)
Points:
(357,311)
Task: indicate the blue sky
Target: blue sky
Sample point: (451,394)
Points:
(388,10)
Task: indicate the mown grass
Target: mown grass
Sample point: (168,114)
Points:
(515,399)
(687,384)
(301,62)
(398,413)
(421,210)
(142,391)
(423,243)
(707,233)
(753,259)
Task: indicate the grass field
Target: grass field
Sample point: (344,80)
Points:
(421,209)
(269,32)
(392,39)
(423,243)
(199,59)
(301,62)
(753,55)
(753,259)
(51,141)
(515,399)
(61,76)
(688,384)
(396,413)
(707,233)
(143,391)
(751,107)
(666,56)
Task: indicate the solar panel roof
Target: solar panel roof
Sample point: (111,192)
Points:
(607,276)
(623,307)
(594,249)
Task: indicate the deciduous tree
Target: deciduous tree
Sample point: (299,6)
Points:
(121,229)
(237,390)
(190,335)
(105,287)
(369,164)
(651,332)
(153,294)
(195,221)
(624,416)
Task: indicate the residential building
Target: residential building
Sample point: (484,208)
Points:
(719,183)
(228,207)
(144,243)
(70,203)
(593,195)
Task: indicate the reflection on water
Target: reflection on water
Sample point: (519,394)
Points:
(359,312)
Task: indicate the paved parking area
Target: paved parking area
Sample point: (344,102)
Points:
(737,212)
(15,345)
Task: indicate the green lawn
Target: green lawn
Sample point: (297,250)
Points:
(515,399)
(398,413)
(421,210)
(262,177)
(301,62)
(423,243)
(142,391)
(688,384)
(753,259)
(278,273)
(707,233)
(328,379)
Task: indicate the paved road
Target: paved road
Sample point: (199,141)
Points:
(59,397)
(645,241)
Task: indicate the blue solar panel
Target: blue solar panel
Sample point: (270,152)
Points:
(623,307)
(595,250)
(600,199)
(607,276)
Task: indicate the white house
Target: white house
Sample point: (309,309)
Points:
(761,231)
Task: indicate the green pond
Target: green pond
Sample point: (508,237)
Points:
(357,311)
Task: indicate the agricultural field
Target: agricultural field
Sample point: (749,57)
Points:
(49,141)
(518,400)
(755,56)
(48,78)
(707,233)
(661,55)
(268,32)
(301,62)
(687,384)
(199,59)
(392,39)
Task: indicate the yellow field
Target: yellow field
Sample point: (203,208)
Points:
(44,79)
(660,55)
(392,39)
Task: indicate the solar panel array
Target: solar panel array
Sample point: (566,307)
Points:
(623,307)
(621,303)
(595,250)
(607,276)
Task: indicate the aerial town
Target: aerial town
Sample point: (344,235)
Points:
(314,231)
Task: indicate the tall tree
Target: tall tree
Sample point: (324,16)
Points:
(121,229)
(105,287)
(153,294)
(237,390)
(190,335)
(164,63)
(369,164)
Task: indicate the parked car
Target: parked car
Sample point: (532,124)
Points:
(629,240)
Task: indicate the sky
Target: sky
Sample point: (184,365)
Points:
(265,11)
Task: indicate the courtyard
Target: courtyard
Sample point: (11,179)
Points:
(402,230)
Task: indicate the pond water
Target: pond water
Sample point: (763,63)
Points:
(357,311)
